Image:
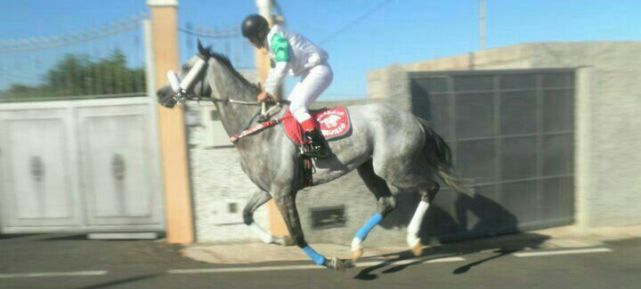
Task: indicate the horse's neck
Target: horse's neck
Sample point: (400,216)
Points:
(237,117)
(233,120)
(233,116)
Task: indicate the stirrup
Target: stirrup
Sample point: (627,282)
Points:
(318,146)
(316,153)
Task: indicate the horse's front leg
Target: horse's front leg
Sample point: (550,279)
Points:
(258,199)
(287,205)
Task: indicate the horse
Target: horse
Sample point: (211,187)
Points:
(387,146)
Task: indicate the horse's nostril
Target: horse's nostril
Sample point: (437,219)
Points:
(166,97)
(162,91)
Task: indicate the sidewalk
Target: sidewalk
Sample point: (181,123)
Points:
(554,238)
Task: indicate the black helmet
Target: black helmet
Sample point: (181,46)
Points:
(253,25)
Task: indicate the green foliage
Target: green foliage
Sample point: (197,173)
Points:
(77,76)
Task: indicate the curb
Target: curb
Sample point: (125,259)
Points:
(554,238)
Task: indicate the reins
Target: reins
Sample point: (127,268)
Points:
(182,90)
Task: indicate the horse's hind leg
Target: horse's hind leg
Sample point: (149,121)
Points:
(386,204)
(413,240)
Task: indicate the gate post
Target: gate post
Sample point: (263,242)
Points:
(175,169)
(277,225)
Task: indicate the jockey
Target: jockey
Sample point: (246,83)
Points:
(293,53)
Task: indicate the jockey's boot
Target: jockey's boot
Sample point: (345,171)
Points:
(320,149)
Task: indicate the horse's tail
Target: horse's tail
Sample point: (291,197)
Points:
(439,155)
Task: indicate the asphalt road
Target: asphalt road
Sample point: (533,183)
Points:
(58,261)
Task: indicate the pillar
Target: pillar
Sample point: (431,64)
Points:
(173,143)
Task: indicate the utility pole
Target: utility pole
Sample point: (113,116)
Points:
(482,24)
(267,9)
(262,61)
(277,225)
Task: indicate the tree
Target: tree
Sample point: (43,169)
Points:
(77,76)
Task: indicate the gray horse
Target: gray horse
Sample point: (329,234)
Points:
(387,147)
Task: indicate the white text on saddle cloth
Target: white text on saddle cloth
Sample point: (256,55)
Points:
(333,123)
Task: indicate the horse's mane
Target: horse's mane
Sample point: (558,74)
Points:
(224,60)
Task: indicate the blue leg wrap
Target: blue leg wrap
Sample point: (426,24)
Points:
(373,221)
(317,258)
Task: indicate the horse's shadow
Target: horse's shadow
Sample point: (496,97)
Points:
(489,218)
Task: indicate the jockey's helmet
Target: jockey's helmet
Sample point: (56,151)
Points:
(255,28)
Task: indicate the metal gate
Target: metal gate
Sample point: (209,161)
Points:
(512,135)
(78,132)
(87,165)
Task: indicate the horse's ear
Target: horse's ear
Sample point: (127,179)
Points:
(202,50)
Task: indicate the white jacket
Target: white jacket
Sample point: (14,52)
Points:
(290,52)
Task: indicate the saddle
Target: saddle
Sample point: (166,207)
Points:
(333,123)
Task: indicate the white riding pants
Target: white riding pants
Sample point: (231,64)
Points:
(310,86)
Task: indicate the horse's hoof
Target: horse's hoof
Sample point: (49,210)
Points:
(356,254)
(283,241)
(338,264)
(417,249)
(288,241)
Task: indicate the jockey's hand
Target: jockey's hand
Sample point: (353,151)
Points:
(263,96)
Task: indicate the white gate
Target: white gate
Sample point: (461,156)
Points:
(87,158)
(89,165)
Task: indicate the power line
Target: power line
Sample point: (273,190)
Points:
(355,21)
(215,35)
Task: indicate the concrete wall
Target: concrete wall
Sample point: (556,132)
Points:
(218,183)
(607,101)
(608,104)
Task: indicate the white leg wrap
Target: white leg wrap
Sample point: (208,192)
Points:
(357,244)
(264,236)
(415,224)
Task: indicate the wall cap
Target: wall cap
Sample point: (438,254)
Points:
(162,3)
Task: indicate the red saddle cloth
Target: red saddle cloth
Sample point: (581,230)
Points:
(334,123)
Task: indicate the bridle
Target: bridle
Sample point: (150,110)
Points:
(183,88)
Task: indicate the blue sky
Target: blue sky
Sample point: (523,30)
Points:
(399,32)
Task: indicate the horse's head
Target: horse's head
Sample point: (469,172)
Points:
(190,81)
(208,75)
